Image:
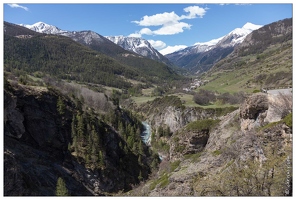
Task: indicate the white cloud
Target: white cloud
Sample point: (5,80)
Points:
(158,19)
(194,11)
(171,49)
(146,31)
(172,29)
(143,31)
(170,22)
(157,44)
(137,34)
(14,5)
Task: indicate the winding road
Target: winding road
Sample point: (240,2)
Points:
(280,91)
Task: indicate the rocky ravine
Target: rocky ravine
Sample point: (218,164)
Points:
(240,137)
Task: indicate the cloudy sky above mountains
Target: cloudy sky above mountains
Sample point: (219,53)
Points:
(166,26)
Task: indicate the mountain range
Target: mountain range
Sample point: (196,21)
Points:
(197,58)
(136,45)
(202,56)
(139,46)
(85,56)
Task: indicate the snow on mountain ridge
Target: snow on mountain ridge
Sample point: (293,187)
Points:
(238,35)
(251,26)
(42,27)
(135,44)
(231,39)
(86,36)
(203,55)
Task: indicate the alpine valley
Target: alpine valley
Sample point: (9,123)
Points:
(88,115)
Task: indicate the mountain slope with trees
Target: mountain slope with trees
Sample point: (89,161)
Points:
(62,57)
(144,55)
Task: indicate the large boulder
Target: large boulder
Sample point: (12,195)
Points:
(253,111)
(253,106)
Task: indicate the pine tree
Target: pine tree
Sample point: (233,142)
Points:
(80,127)
(130,141)
(125,149)
(140,159)
(60,106)
(61,189)
(75,145)
(120,127)
(101,159)
(73,127)
(140,147)
(140,177)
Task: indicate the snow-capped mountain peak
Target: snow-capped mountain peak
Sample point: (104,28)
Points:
(231,39)
(42,27)
(250,26)
(246,29)
(135,44)
(139,46)
(238,35)
(202,55)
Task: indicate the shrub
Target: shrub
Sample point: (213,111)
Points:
(216,152)
(288,120)
(179,148)
(199,125)
(204,97)
(163,181)
(175,165)
(256,91)
(201,100)
(193,157)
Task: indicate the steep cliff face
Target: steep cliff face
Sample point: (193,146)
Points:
(169,111)
(35,143)
(177,118)
(38,149)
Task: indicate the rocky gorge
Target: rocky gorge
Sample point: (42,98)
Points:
(202,160)
(203,147)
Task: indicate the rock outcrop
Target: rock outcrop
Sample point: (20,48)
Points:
(261,109)
(177,118)
(253,111)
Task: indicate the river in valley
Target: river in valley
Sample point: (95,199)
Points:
(146,136)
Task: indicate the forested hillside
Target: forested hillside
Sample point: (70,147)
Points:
(62,57)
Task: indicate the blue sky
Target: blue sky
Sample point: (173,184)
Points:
(163,25)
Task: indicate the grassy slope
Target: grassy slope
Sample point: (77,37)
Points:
(274,65)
